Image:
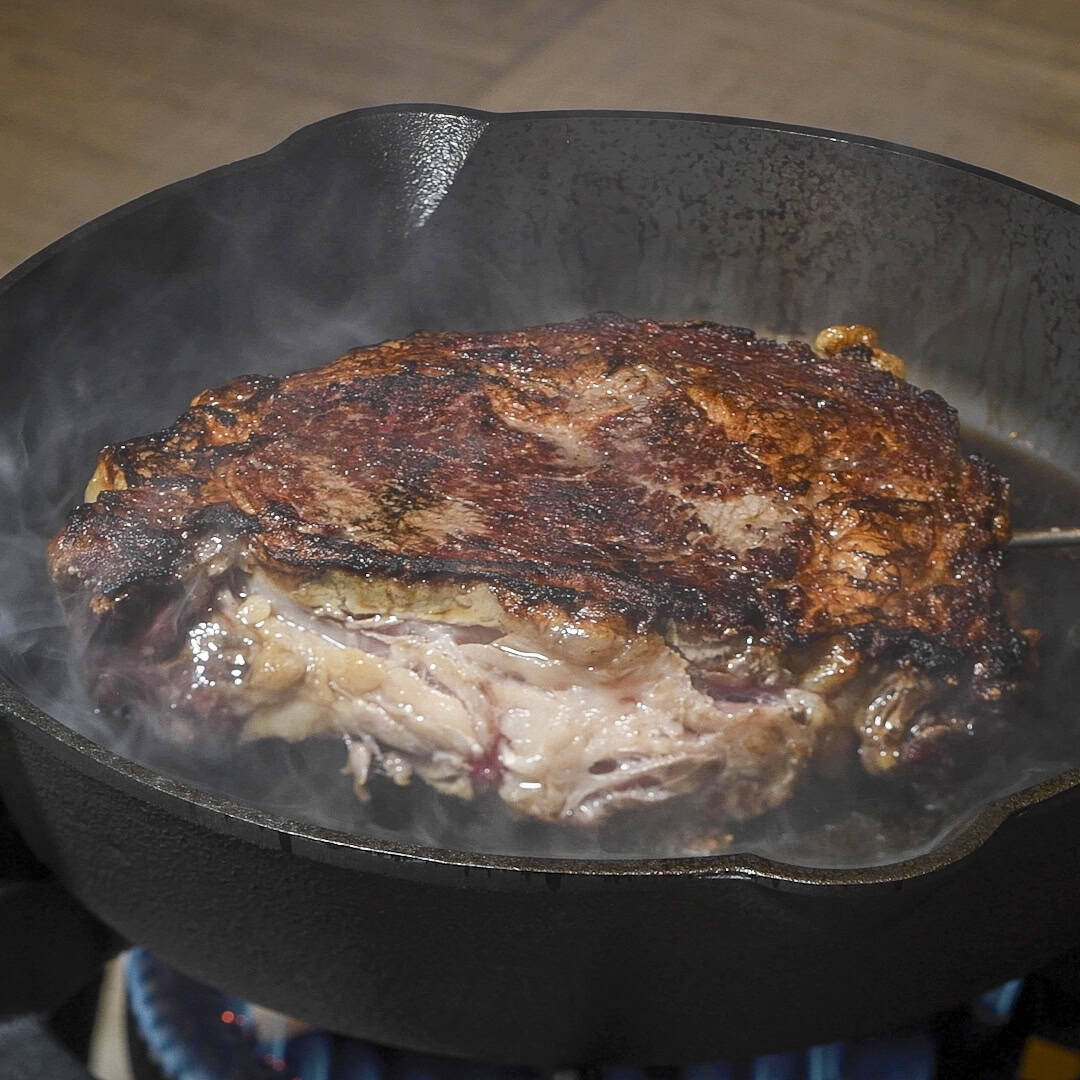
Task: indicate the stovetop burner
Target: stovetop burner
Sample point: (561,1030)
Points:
(183,1030)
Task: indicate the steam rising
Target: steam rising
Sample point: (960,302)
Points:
(855,822)
(113,336)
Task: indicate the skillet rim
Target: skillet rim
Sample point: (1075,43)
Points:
(327,845)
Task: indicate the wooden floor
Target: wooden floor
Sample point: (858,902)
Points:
(101,102)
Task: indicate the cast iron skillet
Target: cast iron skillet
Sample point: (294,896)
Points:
(381,221)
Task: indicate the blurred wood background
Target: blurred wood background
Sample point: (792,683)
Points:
(102,102)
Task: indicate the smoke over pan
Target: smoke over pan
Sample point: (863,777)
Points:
(660,576)
(378,223)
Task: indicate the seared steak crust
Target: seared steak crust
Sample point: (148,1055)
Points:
(591,565)
(607,469)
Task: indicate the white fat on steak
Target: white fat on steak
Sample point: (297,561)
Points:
(465,706)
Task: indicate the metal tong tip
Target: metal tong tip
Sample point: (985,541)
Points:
(1052,536)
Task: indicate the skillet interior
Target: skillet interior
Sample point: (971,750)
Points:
(372,224)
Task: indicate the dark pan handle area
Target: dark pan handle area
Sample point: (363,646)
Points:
(52,953)
(51,946)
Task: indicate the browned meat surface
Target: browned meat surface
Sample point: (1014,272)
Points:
(593,565)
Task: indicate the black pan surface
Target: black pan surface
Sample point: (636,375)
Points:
(379,222)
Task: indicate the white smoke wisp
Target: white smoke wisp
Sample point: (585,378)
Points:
(295,288)
(41,479)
